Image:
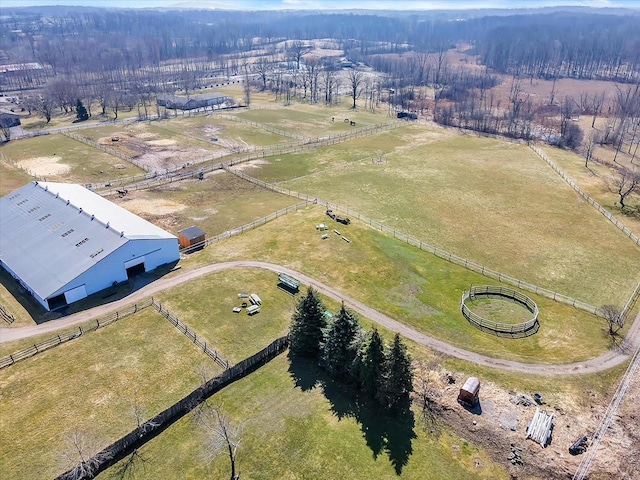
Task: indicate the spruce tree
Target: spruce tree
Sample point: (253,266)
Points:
(81,111)
(371,364)
(398,378)
(339,349)
(307,325)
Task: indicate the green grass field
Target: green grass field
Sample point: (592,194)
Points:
(365,150)
(235,335)
(221,202)
(11,178)
(410,285)
(299,425)
(494,203)
(57,158)
(90,384)
(593,181)
(500,311)
(314,120)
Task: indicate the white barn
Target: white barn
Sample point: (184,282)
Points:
(63,242)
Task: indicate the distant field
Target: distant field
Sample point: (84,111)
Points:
(57,158)
(314,120)
(493,202)
(593,181)
(89,384)
(412,286)
(293,429)
(218,203)
(372,149)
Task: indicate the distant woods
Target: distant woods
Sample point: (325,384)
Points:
(114,60)
(581,44)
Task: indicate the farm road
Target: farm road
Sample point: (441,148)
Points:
(608,360)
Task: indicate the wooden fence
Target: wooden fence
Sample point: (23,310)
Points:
(635,238)
(199,341)
(523,329)
(109,150)
(246,227)
(68,336)
(150,429)
(6,315)
(177,174)
(450,257)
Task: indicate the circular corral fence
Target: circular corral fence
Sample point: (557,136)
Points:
(516,330)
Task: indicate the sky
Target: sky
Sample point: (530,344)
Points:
(326,4)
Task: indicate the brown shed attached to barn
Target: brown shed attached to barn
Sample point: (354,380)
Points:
(188,237)
(468,395)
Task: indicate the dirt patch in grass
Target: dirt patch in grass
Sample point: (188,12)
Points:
(250,164)
(154,207)
(44,166)
(161,143)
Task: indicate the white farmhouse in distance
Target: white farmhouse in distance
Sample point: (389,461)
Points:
(63,242)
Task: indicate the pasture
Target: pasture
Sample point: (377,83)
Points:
(595,180)
(235,335)
(409,285)
(12,177)
(91,384)
(314,120)
(299,424)
(57,158)
(492,202)
(216,204)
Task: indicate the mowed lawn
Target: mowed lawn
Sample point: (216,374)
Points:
(300,425)
(409,285)
(90,384)
(57,158)
(219,203)
(206,304)
(494,203)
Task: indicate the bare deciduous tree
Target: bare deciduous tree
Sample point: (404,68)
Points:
(219,434)
(356,81)
(614,317)
(624,184)
(589,147)
(82,456)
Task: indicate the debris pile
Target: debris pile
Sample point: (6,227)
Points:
(514,457)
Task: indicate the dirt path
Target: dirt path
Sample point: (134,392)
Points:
(603,362)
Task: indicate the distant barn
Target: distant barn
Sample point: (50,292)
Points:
(192,102)
(188,237)
(62,242)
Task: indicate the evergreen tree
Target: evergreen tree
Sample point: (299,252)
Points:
(371,363)
(81,111)
(339,348)
(398,378)
(307,325)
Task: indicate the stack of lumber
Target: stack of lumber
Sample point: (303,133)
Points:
(539,429)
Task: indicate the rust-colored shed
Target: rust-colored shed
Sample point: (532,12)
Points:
(469,392)
(188,237)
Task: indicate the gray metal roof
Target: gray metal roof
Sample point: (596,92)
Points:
(191,232)
(48,240)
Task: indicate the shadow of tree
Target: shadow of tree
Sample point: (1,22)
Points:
(390,432)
